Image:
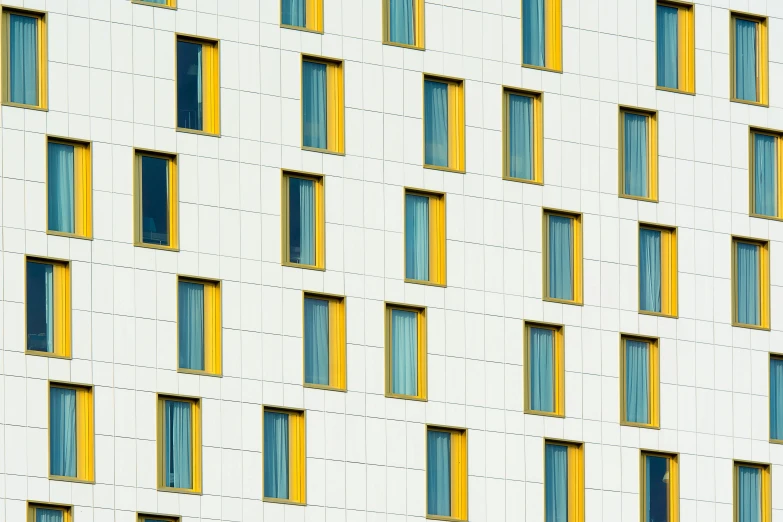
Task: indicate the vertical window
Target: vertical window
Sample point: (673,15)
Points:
(660,487)
(765,168)
(324,341)
(322,104)
(48,308)
(444,123)
(179,443)
(199,325)
(303,220)
(638,154)
(658,270)
(563,482)
(752,492)
(544,369)
(284,455)
(776,398)
(750,283)
(24,57)
(675,45)
(48,513)
(563,256)
(541,34)
(302,14)
(447,473)
(172,4)
(156,200)
(523,136)
(639,381)
(403,23)
(71,432)
(198,85)
(425,237)
(406,352)
(749,67)
(69,188)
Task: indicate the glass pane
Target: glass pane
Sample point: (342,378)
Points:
(656,494)
(436,123)
(190,88)
(749,494)
(765,175)
(745,59)
(405,352)
(748,300)
(533,32)
(48,515)
(60,185)
(556,485)
(316,341)
(190,307)
(155,200)
(40,307)
(561,258)
(542,370)
(314,104)
(637,381)
(438,473)
(178,445)
(301,220)
(401,21)
(294,12)
(62,432)
(776,398)
(635,155)
(23,41)
(667,46)
(520,136)
(276,455)
(650,270)
(417,237)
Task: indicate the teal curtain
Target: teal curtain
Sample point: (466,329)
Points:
(60,188)
(62,432)
(314,104)
(556,483)
(401,22)
(23,41)
(745,59)
(301,220)
(155,200)
(436,123)
(656,504)
(190,85)
(417,237)
(438,473)
(650,270)
(276,447)
(749,494)
(40,307)
(542,370)
(48,515)
(520,136)
(191,325)
(776,399)
(316,341)
(666,44)
(178,444)
(404,352)
(748,302)
(635,154)
(561,258)
(765,174)
(637,381)
(294,13)
(533,32)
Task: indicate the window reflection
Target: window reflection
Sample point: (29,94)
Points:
(155,200)
(190,86)
(657,494)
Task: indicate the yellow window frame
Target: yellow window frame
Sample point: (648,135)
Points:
(773,357)
(145,517)
(669,273)
(762,57)
(337,341)
(61,275)
(85,432)
(766,489)
(297,457)
(538,134)
(577,251)
(558,345)
(686,46)
(576,477)
(437,235)
(335,104)
(674,483)
(82,187)
(652,152)
(458,481)
(67,510)
(764,282)
(42,58)
(210,72)
(418,25)
(421,346)
(170,4)
(553,37)
(173,183)
(654,379)
(314,17)
(195,433)
(320,220)
(778,135)
(213,326)
(456,122)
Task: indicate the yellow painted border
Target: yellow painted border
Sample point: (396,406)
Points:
(335,104)
(170,4)
(538,134)
(686,46)
(67,509)
(82,190)
(762,56)
(456,122)
(577,249)
(652,152)
(421,346)
(418,26)
(669,271)
(173,199)
(61,276)
(553,37)
(437,236)
(85,432)
(337,341)
(320,219)
(195,430)
(778,135)
(654,403)
(459,471)
(559,368)
(674,482)
(766,488)
(764,283)
(210,67)
(43,59)
(314,17)
(297,457)
(213,326)
(576,477)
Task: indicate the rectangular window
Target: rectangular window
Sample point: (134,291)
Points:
(563,481)
(447,473)
(752,492)
(657,270)
(776,398)
(179,443)
(69,188)
(302,14)
(638,154)
(171,4)
(675,46)
(156,200)
(563,257)
(322,105)
(48,308)
(541,34)
(660,487)
(766,190)
(544,369)
(324,341)
(303,220)
(425,237)
(748,59)
(403,23)
(25,63)
(157,518)
(750,286)
(199,325)
(44,512)
(406,352)
(444,123)
(284,455)
(639,382)
(198,85)
(71,432)
(523,136)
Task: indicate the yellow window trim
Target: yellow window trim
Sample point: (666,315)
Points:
(418,25)
(669,273)
(210,67)
(314,17)
(437,235)
(766,489)
(538,134)
(459,471)
(65,508)
(577,249)
(337,341)
(654,403)
(686,47)
(195,430)
(559,367)
(43,60)
(652,152)
(762,57)
(61,275)
(778,135)
(674,483)
(553,37)
(576,477)
(297,458)
(320,220)
(82,189)
(421,343)
(213,326)
(764,283)
(173,199)
(170,4)
(85,432)
(143,517)
(335,104)
(456,122)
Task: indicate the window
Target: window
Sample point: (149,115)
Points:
(765,167)
(425,237)
(403,23)
(563,257)
(303,220)
(199,325)
(639,382)
(48,294)
(541,34)
(444,123)
(752,492)
(198,85)
(69,188)
(45,512)
(324,341)
(776,398)
(406,352)
(675,46)
(157,518)
(284,455)
(660,497)
(749,63)
(523,136)
(657,270)
(156,200)
(302,14)
(563,481)
(24,56)
(71,432)
(750,286)
(179,443)
(638,154)
(447,473)
(171,4)
(322,105)
(544,369)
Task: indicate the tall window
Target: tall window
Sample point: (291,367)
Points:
(179,443)
(198,85)
(447,473)
(45,512)
(444,123)
(563,482)
(639,381)
(25,63)
(48,307)
(322,104)
(660,487)
(71,432)
(403,23)
(750,283)
(284,455)
(523,136)
(69,188)
(156,200)
(425,237)
(199,325)
(303,220)
(406,352)
(563,256)
(544,369)
(324,341)
(776,398)
(302,14)
(752,492)
(675,45)
(172,4)
(749,62)
(765,168)
(657,270)
(638,154)
(541,34)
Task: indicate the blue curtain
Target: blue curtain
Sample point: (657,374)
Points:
(40,307)
(667,46)
(749,494)
(155,200)
(48,515)
(776,399)
(745,59)
(23,39)
(301,224)
(417,237)
(404,352)
(314,104)
(316,341)
(635,154)
(190,85)
(294,13)
(748,302)
(177,425)
(533,32)
(556,485)
(656,505)
(62,432)
(436,123)
(191,325)
(276,446)
(637,381)
(60,188)
(650,270)
(542,370)
(438,473)
(520,136)
(561,258)
(765,174)
(401,21)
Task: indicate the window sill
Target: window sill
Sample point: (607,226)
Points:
(305,267)
(528,411)
(324,387)
(638,425)
(763,216)
(638,198)
(323,151)
(305,29)
(658,314)
(198,132)
(47,354)
(24,106)
(179,490)
(523,180)
(775,441)
(540,68)
(155,247)
(562,301)
(750,326)
(164,6)
(449,519)
(426,283)
(404,46)
(748,102)
(71,479)
(199,372)
(676,91)
(67,234)
(445,169)
(390,395)
(284,501)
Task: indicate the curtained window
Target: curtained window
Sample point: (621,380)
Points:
(658,270)
(303,220)
(523,136)
(284,455)
(302,14)
(199,325)
(776,398)
(638,154)
(69,191)
(156,200)
(675,46)
(403,23)
(447,473)
(198,85)
(71,432)
(324,341)
(25,50)
(322,105)
(562,257)
(751,283)
(749,61)
(640,401)
(179,443)
(752,492)
(541,34)
(563,482)
(425,237)
(544,369)
(765,188)
(165,3)
(48,307)
(48,513)
(444,123)
(660,489)
(406,356)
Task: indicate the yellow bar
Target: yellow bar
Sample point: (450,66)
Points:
(764,282)
(296,457)
(437,244)
(575,484)
(654,384)
(459,476)
(559,348)
(674,490)
(418,23)
(652,140)
(577,221)
(84,430)
(456,123)
(173,206)
(196,449)
(763,67)
(210,64)
(320,225)
(334,107)
(421,347)
(552,20)
(336,346)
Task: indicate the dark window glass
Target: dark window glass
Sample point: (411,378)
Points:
(40,307)
(657,494)
(190,86)
(155,200)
